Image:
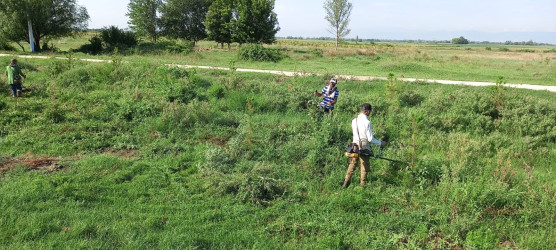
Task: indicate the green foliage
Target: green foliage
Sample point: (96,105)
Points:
(184,19)
(197,160)
(242,21)
(113,37)
(460,40)
(94,46)
(337,15)
(5,45)
(258,53)
(50,19)
(143,17)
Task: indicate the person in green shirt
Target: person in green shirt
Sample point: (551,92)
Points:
(14,74)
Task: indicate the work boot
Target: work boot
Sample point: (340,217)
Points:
(346,184)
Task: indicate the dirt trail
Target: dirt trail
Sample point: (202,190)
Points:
(349,77)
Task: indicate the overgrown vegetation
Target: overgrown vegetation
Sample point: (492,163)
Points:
(135,155)
(258,53)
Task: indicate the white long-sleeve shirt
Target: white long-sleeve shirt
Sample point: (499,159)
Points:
(365,131)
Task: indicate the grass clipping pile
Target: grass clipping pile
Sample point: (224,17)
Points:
(32,162)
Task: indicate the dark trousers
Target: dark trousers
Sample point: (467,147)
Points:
(16,89)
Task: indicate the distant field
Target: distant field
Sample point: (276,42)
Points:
(517,64)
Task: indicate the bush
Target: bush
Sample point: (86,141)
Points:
(94,46)
(180,48)
(4,45)
(114,37)
(256,52)
(460,40)
(260,191)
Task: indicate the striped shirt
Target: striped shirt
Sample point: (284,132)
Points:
(329,96)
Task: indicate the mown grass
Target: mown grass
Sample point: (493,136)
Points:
(143,155)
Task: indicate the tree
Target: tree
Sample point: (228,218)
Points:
(256,22)
(219,22)
(49,18)
(143,17)
(242,21)
(337,15)
(185,19)
(460,40)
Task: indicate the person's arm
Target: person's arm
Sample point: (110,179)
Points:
(371,137)
(317,94)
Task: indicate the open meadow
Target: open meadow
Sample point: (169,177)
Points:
(134,154)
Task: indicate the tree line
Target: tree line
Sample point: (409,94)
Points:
(222,21)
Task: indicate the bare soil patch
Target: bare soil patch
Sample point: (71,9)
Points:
(32,162)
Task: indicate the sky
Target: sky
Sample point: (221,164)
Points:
(476,20)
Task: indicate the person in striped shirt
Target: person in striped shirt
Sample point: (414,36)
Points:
(330,93)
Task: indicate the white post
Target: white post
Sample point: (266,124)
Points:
(31,38)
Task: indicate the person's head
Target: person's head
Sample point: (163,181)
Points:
(366,109)
(333,81)
(13,62)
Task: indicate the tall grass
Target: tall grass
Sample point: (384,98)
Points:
(141,156)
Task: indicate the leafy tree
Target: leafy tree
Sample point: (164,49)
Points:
(143,17)
(242,21)
(337,15)
(50,18)
(185,19)
(256,22)
(460,40)
(219,21)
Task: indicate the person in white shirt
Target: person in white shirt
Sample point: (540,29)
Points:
(362,135)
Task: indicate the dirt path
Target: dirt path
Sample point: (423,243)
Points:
(349,77)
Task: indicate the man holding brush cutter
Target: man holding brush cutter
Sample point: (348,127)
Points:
(362,136)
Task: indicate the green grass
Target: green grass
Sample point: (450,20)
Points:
(139,155)
(519,64)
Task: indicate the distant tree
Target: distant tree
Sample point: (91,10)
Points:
(49,18)
(242,21)
(256,21)
(185,19)
(219,22)
(337,15)
(460,40)
(143,17)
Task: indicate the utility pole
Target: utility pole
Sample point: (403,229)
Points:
(31,38)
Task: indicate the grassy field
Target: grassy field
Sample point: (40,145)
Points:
(517,64)
(138,155)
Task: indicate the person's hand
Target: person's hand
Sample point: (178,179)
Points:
(383,143)
(315,93)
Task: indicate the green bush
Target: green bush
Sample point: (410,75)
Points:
(260,190)
(5,45)
(114,37)
(258,53)
(94,46)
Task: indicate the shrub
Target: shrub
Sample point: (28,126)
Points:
(460,40)
(94,46)
(488,48)
(4,45)
(260,190)
(256,52)
(503,49)
(180,48)
(114,37)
